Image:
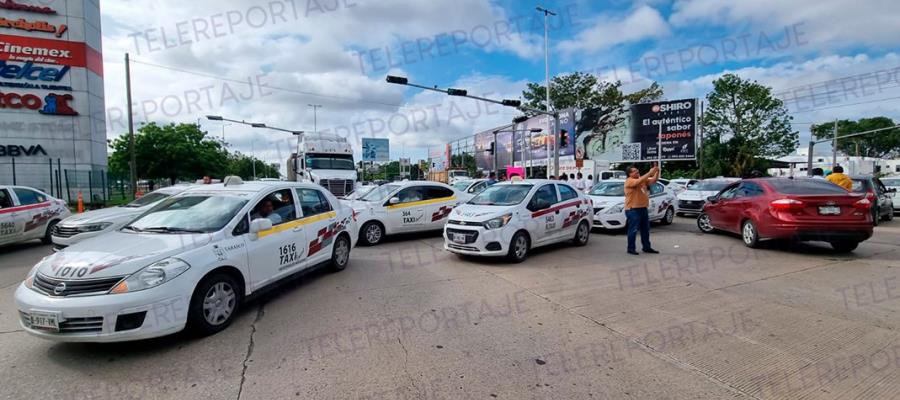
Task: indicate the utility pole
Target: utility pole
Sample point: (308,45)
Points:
(315,122)
(550,129)
(834,146)
(699,149)
(133,169)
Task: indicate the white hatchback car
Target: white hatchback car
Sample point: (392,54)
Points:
(692,200)
(404,207)
(93,223)
(188,262)
(511,218)
(609,203)
(28,214)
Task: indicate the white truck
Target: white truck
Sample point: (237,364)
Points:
(325,159)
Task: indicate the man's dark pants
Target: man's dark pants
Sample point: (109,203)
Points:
(638,219)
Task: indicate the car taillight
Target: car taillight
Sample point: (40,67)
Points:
(870,195)
(863,204)
(786,205)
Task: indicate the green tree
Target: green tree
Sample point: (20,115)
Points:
(743,124)
(173,152)
(882,144)
(242,165)
(581,90)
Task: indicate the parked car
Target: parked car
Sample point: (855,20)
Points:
(692,200)
(360,191)
(881,197)
(679,185)
(893,182)
(93,223)
(608,199)
(783,208)
(196,255)
(404,207)
(27,214)
(511,218)
(472,186)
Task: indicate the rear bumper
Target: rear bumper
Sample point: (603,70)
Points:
(857,233)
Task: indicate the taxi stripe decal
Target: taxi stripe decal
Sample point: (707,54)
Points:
(420,203)
(556,208)
(441,213)
(300,222)
(24,208)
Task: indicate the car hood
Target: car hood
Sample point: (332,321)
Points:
(696,194)
(476,213)
(118,253)
(112,214)
(606,201)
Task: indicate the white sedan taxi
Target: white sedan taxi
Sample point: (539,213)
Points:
(511,218)
(187,263)
(89,224)
(28,214)
(404,207)
(609,203)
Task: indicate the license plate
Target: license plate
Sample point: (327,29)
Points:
(830,210)
(45,321)
(458,238)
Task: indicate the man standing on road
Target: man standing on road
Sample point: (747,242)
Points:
(578,182)
(837,177)
(637,199)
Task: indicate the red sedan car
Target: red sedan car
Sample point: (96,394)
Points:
(793,209)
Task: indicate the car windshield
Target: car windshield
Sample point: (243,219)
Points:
(329,161)
(709,186)
(608,189)
(462,185)
(381,193)
(359,192)
(147,199)
(189,214)
(501,195)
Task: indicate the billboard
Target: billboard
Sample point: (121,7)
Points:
(538,145)
(376,149)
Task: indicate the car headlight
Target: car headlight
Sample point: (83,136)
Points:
(499,222)
(151,276)
(93,227)
(29,279)
(614,209)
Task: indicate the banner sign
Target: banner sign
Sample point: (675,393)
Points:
(50,51)
(29,26)
(679,131)
(376,149)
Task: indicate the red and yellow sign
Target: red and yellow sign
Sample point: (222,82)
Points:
(50,51)
(31,26)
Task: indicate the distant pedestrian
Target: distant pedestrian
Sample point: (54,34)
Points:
(564,177)
(837,177)
(492,179)
(578,182)
(589,184)
(818,173)
(637,200)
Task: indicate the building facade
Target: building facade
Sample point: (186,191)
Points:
(52,118)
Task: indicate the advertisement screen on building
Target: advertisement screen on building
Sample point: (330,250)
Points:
(376,149)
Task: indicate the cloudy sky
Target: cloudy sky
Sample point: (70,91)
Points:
(267,61)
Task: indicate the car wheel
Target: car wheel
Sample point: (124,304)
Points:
(582,234)
(876,215)
(518,247)
(214,304)
(669,217)
(749,234)
(371,233)
(889,216)
(340,253)
(48,239)
(705,224)
(844,246)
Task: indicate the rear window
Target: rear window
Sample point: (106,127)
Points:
(860,185)
(805,186)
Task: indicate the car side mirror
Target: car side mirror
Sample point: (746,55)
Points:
(712,199)
(892,190)
(259,225)
(394,200)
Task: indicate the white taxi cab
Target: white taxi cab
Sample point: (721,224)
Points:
(28,214)
(404,207)
(93,223)
(511,218)
(187,263)
(609,204)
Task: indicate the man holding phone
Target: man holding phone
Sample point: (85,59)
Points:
(637,199)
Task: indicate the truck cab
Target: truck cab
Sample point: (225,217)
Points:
(327,160)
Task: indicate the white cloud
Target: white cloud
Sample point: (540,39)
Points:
(644,22)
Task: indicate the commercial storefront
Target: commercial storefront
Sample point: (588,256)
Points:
(52,120)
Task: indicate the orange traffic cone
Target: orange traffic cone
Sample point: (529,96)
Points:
(80,203)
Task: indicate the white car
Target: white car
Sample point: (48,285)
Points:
(187,263)
(359,192)
(454,175)
(28,214)
(893,182)
(679,185)
(404,207)
(89,224)
(692,200)
(471,186)
(608,199)
(511,218)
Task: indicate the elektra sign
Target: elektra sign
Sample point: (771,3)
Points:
(31,72)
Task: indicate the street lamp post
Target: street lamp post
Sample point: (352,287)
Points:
(550,129)
(297,133)
(315,122)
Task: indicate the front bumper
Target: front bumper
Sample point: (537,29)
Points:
(610,221)
(480,241)
(94,318)
(689,206)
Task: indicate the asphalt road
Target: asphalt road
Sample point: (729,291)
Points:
(707,318)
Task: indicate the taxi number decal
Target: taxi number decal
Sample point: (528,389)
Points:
(288,256)
(72,272)
(550,222)
(408,218)
(7,228)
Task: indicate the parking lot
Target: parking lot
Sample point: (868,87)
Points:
(707,318)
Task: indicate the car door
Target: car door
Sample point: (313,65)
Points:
(657,200)
(884,200)
(544,219)
(408,215)
(729,210)
(319,220)
(11,224)
(33,212)
(569,207)
(281,250)
(440,202)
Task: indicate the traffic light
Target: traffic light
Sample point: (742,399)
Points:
(491,149)
(457,92)
(563,139)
